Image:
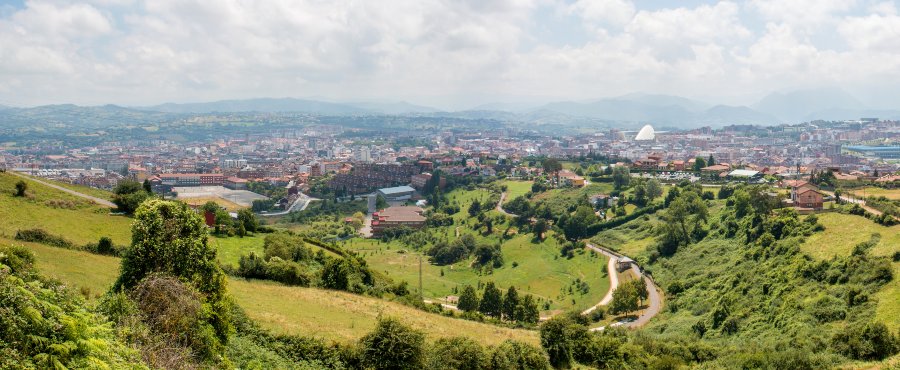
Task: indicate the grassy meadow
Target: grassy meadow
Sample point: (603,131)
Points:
(77,219)
(332,315)
(516,188)
(843,232)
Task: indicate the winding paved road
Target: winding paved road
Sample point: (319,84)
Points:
(654,297)
(100,201)
(302,199)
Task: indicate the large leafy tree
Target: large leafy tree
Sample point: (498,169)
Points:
(621,177)
(491,300)
(170,238)
(510,302)
(129,195)
(468,300)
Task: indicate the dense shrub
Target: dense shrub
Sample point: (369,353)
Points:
(870,341)
(458,353)
(43,237)
(393,345)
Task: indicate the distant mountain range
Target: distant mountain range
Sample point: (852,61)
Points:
(627,110)
(292,105)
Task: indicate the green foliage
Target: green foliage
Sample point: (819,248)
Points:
(170,238)
(621,177)
(468,300)
(335,274)
(129,195)
(43,325)
(393,345)
(43,237)
(870,341)
(560,337)
(21,188)
(514,355)
(247,219)
(491,301)
(457,353)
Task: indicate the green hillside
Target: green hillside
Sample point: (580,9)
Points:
(59,213)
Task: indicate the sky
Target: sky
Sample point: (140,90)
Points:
(446,54)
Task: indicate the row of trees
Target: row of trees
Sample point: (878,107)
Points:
(494,303)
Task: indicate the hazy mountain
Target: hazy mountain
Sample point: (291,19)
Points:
(262,105)
(802,105)
(730,115)
(505,107)
(393,107)
(660,100)
(74,115)
(623,110)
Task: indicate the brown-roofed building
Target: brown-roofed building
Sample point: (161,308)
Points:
(392,217)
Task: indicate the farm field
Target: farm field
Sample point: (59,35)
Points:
(843,232)
(540,271)
(516,188)
(78,220)
(872,191)
(329,314)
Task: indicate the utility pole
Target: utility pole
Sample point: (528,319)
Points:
(421,293)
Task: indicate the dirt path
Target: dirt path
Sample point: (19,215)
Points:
(100,201)
(500,206)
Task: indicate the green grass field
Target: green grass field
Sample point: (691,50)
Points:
(94,192)
(872,191)
(329,314)
(86,223)
(516,188)
(843,232)
(231,249)
(540,271)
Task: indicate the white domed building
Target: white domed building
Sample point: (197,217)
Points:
(646,134)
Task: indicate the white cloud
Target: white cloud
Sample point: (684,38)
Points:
(437,51)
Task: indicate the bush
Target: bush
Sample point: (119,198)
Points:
(393,345)
(871,341)
(43,237)
(514,355)
(459,353)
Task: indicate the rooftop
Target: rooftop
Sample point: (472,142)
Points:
(397,190)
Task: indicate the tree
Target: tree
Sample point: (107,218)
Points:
(688,211)
(621,177)
(491,301)
(527,311)
(654,189)
(129,195)
(474,208)
(575,226)
(105,246)
(711,161)
(510,302)
(168,237)
(552,166)
(336,274)
(540,227)
(393,345)
(468,300)
(559,337)
(148,187)
(625,299)
(21,188)
(640,194)
(247,219)
(699,163)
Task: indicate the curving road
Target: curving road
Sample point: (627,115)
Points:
(613,280)
(500,206)
(302,201)
(99,201)
(654,297)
